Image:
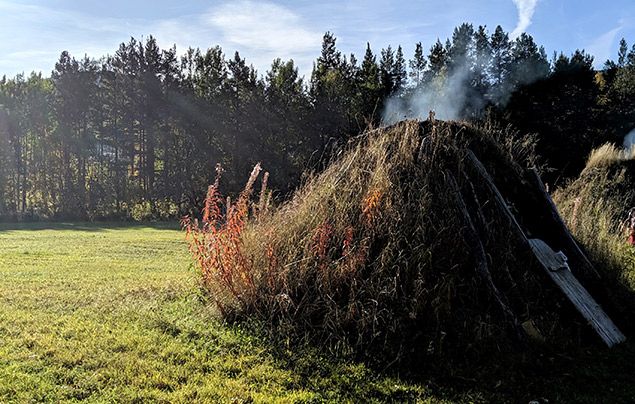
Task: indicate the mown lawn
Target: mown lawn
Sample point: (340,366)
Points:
(113,313)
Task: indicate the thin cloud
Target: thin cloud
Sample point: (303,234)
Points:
(601,46)
(526,9)
(39,34)
(261,31)
(264,31)
(263,25)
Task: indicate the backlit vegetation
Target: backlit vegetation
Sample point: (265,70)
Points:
(596,207)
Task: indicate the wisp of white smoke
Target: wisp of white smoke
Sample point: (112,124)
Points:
(629,140)
(445,96)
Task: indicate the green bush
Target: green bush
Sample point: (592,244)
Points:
(162,209)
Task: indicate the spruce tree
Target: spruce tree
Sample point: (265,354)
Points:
(386,70)
(418,65)
(622,53)
(399,73)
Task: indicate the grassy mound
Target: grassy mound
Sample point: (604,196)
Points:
(596,207)
(377,254)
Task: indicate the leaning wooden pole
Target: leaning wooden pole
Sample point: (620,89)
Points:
(571,244)
(558,270)
(555,266)
(482,268)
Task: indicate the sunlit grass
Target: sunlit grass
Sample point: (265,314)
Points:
(608,154)
(114,314)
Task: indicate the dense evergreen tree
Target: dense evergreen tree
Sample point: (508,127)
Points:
(528,61)
(461,50)
(329,92)
(500,64)
(437,60)
(399,74)
(370,87)
(482,61)
(387,71)
(622,52)
(418,66)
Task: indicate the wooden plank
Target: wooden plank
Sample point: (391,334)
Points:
(548,258)
(558,269)
(564,279)
(498,198)
(572,245)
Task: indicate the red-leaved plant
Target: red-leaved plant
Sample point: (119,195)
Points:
(216,243)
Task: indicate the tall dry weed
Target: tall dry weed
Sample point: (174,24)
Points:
(216,244)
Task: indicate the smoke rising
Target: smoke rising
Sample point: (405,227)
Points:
(629,140)
(461,92)
(446,96)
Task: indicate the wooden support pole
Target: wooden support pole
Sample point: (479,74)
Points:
(577,294)
(571,245)
(498,198)
(563,278)
(482,269)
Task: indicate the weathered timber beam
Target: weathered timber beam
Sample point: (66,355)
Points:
(578,295)
(498,198)
(571,244)
(567,283)
(482,269)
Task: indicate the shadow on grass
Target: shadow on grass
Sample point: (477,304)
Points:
(87,226)
(539,373)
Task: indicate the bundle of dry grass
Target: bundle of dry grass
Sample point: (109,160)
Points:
(607,155)
(397,249)
(596,206)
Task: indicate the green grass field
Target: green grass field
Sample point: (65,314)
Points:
(113,313)
(108,313)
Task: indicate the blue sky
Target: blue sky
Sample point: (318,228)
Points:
(33,33)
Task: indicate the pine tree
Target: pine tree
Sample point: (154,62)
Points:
(330,91)
(211,73)
(329,61)
(482,60)
(330,57)
(437,59)
(243,79)
(461,50)
(501,57)
(369,74)
(351,70)
(630,58)
(418,65)
(284,85)
(529,62)
(622,53)
(399,73)
(386,69)
(369,96)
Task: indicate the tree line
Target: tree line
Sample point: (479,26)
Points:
(138,133)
